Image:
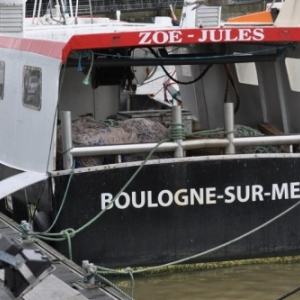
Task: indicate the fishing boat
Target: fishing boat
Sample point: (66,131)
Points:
(121,180)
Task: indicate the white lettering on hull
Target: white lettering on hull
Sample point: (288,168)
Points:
(202,196)
(202,36)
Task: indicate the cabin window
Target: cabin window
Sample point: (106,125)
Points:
(246,73)
(32,87)
(292,67)
(2,69)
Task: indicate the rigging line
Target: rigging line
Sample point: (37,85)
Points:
(230,80)
(105,280)
(210,250)
(231,241)
(178,81)
(27,205)
(49,5)
(39,199)
(64,199)
(70,232)
(116,196)
(290,293)
(154,79)
(122,189)
(149,76)
(267,51)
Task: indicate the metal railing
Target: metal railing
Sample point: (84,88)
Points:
(101,6)
(228,143)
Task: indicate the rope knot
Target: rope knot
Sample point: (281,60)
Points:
(26,230)
(129,270)
(68,233)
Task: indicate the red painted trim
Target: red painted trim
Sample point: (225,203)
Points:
(181,36)
(46,48)
(152,37)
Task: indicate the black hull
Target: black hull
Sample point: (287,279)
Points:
(238,195)
(167,231)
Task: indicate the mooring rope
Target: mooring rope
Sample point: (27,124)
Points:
(177,131)
(69,233)
(290,293)
(108,282)
(183,260)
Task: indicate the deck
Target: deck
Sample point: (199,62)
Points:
(65,283)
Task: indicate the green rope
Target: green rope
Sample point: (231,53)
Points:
(107,122)
(86,80)
(64,152)
(177,131)
(211,132)
(130,272)
(64,199)
(69,233)
(105,280)
(122,189)
(183,260)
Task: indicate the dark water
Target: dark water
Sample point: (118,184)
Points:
(263,281)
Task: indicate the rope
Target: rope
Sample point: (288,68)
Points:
(64,199)
(107,122)
(69,233)
(79,67)
(292,292)
(86,80)
(210,132)
(39,199)
(199,58)
(177,131)
(144,270)
(130,272)
(123,188)
(103,279)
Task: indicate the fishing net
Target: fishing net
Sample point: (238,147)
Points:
(87,131)
(245,131)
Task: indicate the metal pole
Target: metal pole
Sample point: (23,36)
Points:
(177,121)
(122,149)
(174,60)
(186,145)
(91,11)
(67,144)
(229,126)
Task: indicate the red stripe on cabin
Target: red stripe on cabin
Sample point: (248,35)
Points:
(47,48)
(151,37)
